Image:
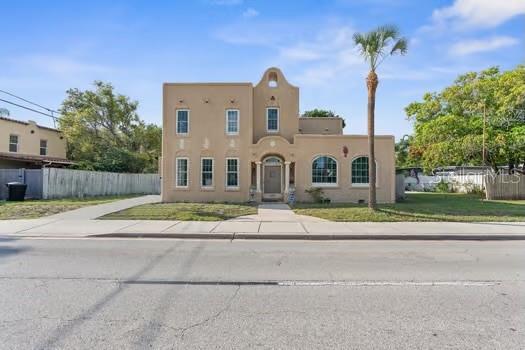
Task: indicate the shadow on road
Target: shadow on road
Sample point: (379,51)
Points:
(151,329)
(64,330)
(7,251)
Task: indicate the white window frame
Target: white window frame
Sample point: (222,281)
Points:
(363,185)
(212,173)
(226,173)
(17,143)
(177,172)
(325,184)
(177,121)
(278,119)
(238,121)
(40,150)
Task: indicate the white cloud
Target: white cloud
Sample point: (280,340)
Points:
(468,47)
(331,53)
(250,12)
(478,13)
(60,65)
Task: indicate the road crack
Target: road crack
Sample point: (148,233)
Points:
(213,317)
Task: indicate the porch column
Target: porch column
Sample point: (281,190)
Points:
(258,172)
(286,176)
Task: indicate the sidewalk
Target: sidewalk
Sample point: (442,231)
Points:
(69,228)
(95,211)
(273,221)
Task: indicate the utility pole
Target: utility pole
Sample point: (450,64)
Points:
(484,127)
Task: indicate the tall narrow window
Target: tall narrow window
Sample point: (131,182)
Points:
(324,171)
(181,172)
(13,143)
(272,119)
(232,121)
(360,171)
(232,172)
(206,172)
(43,147)
(183,121)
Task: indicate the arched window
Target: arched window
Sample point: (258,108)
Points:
(360,171)
(324,171)
(272,161)
(272,79)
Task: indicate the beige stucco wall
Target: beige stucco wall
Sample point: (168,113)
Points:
(207,138)
(29,143)
(309,147)
(285,96)
(331,126)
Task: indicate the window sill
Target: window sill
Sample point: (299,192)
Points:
(207,189)
(182,188)
(325,185)
(361,186)
(232,189)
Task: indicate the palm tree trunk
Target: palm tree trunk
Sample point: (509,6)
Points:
(371,83)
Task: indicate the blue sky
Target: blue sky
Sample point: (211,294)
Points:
(49,46)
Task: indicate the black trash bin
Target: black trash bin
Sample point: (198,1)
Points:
(16,191)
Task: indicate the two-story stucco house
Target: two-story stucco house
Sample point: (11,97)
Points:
(223,140)
(29,145)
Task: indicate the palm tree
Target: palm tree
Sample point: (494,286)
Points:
(375,46)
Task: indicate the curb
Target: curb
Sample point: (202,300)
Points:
(319,237)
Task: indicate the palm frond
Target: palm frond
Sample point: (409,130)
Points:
(401,47)
(380,43)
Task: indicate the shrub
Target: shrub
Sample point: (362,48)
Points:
(317,194)
(443,187)
(475,189)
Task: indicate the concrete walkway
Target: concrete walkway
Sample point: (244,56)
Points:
(276,212)
(95,211)
(272,221)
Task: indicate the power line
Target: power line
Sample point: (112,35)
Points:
(30,102)
(30,109)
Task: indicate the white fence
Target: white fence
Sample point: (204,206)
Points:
(460,183)
(66,183)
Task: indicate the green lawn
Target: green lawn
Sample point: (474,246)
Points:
(422,207)
(184,211)
(31,209)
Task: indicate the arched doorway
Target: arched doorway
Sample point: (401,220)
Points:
(272,178)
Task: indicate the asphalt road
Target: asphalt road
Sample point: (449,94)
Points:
(136,294)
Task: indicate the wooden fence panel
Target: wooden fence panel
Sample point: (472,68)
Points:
(505,186)
(67,183)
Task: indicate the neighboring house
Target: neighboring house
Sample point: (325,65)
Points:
(222,141)
(28,145)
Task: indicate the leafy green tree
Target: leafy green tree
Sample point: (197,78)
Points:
(481,117)
(375,46)
(4,112)
(321,113)
(405,156)
(104,132)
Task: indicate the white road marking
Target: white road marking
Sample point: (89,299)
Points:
(387,283)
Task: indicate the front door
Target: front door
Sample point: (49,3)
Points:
(272,181)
